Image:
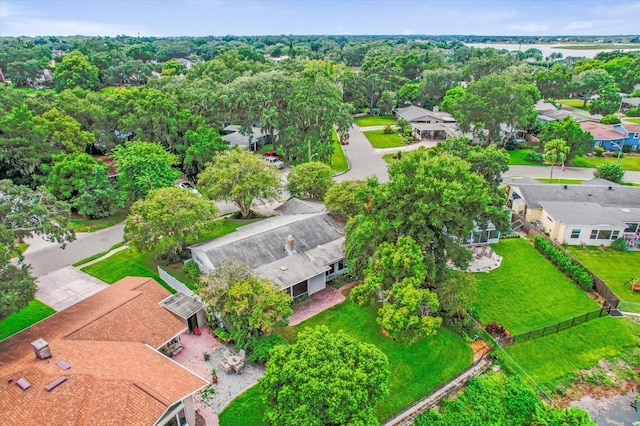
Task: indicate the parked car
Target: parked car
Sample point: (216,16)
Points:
(274,161)
(272,153)
(187,185)
(344,141)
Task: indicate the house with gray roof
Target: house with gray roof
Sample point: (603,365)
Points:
(594,213)
(300,250)
(253,140)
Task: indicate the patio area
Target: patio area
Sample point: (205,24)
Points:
(318,302)
(229,385)
(484,259)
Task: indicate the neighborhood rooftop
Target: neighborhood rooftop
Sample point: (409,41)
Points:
(116,374)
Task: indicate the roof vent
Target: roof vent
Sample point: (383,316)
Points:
(63,364)
(41,348)
(23,383)
(565,186)
(57,382)
(611,188)
(283,268)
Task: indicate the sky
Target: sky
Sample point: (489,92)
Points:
(332,17)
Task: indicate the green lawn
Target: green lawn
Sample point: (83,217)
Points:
(374,120)
(615,267)
(562,181)
(551,357)
(89,225)
(575,103)
(626,162)
(246,409)
(415,370)
(633,119)
(35,311)
(379,139)
(338,160)
(518,157)
(390,157)
(527,292)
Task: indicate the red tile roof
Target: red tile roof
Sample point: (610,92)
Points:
(116,375)
(600,131)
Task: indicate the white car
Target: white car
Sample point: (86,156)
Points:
(187,185)
(274,162)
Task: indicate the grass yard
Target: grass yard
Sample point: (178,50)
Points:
(552,357)
(527,292)
(615,267)
(633,119)
(32,313)
(338,160)
(561,181)
(631,163)
(379,139)
(247,409)
(374,120)
(91,225)
(518,157)
(575,103)
(390,157)
(415,370)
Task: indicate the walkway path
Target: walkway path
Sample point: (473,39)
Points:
(364,161)
(407,417)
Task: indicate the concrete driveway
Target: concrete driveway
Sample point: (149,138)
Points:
(64,287)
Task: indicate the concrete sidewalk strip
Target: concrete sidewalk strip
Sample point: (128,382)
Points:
(67,286)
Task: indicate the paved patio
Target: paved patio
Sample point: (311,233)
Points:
(228,387)
(317,303)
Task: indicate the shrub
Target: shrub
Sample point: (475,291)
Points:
(192,271)
(535,157)
(388,130)
(222,334)
(611,172)
(633,112)
(564,263)
(496,329)
(619,245)
(262,348)
(599,151)
(610,119)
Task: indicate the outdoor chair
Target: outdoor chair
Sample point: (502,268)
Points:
(238,368)
(226,367)
(242,355)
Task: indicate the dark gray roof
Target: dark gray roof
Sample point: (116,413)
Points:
(413,112)
(234,137)
(617,196)
(291,270)
(599,182)
(182,305)
(586,213)
(263,242)
(298,206)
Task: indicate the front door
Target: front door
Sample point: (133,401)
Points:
(192,322)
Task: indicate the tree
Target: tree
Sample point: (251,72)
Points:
(451,98)
(589,82)
(310,180)
(166,219)
(348,197)
(579,141)
(84,183)
(435,84)
(610,119)
(240,177)
(75,70)
(407,315)
(324,378)
(249,307)
(607,102)
(436,200)
(386,103)
(610,171)
(144,166)
(202,146)
(25,212)
(496,99)
(555,152)
(408,93)
(554,83)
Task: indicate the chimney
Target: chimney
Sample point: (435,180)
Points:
(41,348)
(289,245)
(436,108)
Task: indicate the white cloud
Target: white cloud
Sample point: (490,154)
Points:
(578,25)
(529,28)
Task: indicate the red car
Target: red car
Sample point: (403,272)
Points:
(272,153)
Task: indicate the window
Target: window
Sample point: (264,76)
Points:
(332,269)
(636,135)
(299,289)
(575,233)
(631,228)
(614,235)
(549,219)
(340,265)
(594,234)
(604,234)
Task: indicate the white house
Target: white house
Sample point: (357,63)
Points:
(594,213)
(301,250)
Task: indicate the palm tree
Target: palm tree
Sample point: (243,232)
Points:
(555,152)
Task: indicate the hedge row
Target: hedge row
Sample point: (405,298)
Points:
(564,263)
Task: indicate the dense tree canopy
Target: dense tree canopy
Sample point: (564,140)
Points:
(324,378)
(75,70)
(579,141)
(310,180)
